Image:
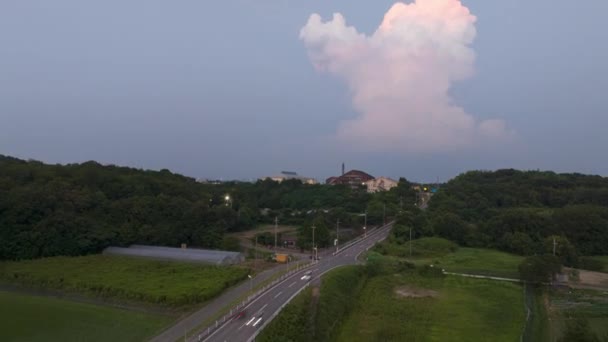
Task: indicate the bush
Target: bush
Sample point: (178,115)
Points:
(590,264)
(339,289)
(539,269)
(431,271)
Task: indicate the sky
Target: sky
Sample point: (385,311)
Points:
(241,89)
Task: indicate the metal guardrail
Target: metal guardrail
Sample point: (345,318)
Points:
(206,332)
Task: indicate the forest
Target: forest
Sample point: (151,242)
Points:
(522,212)
(78,209)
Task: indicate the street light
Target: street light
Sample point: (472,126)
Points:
(365,225)
(250,282)
(313,243)
(228,200)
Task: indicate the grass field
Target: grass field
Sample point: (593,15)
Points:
(462,310)
(33,318)
(461,260)
(141,280)
(481,261)
(604,260)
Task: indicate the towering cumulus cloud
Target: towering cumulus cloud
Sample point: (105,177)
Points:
(401,74)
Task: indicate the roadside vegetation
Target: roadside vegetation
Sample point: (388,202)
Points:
(391,299)
(78,209)
(316,314)
(124,278)
(447,255)
(411,307)
(35,318)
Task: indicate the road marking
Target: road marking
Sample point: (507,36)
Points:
(265,305)
(251,320)
(278,294)
(258,321)
(292,284)
(241,327)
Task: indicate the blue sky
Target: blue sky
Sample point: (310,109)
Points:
(227,89)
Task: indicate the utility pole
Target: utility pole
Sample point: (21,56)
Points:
(276,223)
(255,261)
(410,242)
(312,250)
(554,245)
(365,225)
(384,214)
(337,234)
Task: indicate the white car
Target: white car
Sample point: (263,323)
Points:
(306,277)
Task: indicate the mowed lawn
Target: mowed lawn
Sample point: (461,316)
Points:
(34,318)
(117,277)
(463,310)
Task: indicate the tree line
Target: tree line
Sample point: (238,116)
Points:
(522,212)
(77,209)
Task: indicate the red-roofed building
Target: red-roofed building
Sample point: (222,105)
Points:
(354,178)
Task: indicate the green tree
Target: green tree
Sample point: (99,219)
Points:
(539,268)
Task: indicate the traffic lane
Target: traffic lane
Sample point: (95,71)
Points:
(268,303)
(271,301)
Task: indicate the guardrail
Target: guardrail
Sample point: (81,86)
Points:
(206,332)
(361,238)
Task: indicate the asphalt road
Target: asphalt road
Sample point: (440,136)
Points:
(263,309)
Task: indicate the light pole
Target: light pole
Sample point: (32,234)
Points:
(337,234)
(384,214)
(312,250)
(276,223)
(250,282)
(365,225)
(255,261)
(410,241)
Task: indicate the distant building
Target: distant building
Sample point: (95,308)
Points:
(380,184)
(354,178)
(285,175)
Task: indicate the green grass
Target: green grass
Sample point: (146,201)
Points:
(460,260)
(602,259)
(481,261)
(464,310)
(537,328)
(125,278)
(293,323)
(33,318)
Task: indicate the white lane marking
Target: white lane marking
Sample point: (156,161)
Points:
(241,327)
(258,321)
(251,320)
(292,284)
(265,305)
(278,294)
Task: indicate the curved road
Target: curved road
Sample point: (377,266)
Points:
(263,309)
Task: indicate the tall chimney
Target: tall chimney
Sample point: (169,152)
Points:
(342,169)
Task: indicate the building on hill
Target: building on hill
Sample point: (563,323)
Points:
(285,175)
(380,184)
(354,178)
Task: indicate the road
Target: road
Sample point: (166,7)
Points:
(190,322)
(263,309)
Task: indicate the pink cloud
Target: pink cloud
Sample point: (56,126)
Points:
(400,76)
